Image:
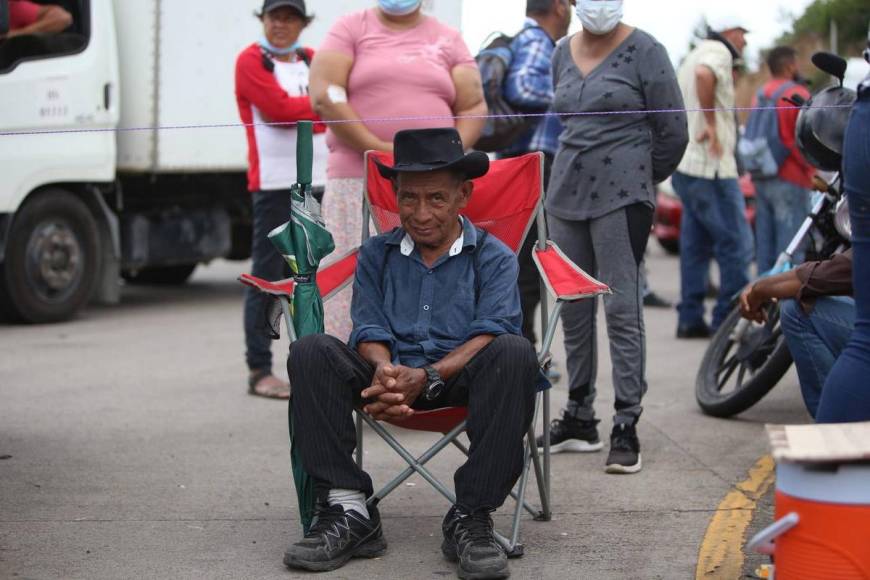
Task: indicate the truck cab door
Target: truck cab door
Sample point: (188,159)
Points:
(58,96)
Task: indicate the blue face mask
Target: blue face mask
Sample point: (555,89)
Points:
(399,7)
(264,42)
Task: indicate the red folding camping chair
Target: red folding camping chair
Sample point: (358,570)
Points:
(506,202)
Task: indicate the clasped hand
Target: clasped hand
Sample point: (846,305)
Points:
(393,391)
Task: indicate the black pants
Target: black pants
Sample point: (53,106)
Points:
(497,385)
(271,209)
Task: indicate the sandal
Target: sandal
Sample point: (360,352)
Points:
(264,384)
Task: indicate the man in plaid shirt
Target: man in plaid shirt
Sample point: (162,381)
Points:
(528,86)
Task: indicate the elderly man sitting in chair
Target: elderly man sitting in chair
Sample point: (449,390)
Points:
(436,317)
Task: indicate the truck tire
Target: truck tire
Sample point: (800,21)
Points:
(52,259)
(162,276)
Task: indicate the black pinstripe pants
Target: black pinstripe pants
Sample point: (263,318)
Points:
(497,385)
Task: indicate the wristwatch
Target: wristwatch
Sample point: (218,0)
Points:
(435,386)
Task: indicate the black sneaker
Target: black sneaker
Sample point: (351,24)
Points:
(335,537)
(653,300)
(572,434)
(469,540)
(699,330)
(624,456)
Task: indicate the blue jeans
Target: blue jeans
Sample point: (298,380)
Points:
(271,209)
(713,226)
(816,340)
(846,395)
(781,209)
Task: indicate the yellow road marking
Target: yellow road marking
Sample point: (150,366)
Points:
(721,554)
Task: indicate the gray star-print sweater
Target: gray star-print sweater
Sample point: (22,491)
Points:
(606,162)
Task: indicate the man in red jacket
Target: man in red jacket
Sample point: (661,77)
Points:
(272,94)
(783,202)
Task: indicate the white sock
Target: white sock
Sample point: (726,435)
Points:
(349,499)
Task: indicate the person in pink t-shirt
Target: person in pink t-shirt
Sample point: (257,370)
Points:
(390,61)
(30,18)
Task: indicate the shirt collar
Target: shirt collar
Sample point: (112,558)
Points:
(467,238)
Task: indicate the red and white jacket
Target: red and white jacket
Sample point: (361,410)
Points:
(278,96)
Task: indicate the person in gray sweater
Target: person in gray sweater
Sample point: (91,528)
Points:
(600,208)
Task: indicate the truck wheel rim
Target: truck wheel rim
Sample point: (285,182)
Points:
(55,261)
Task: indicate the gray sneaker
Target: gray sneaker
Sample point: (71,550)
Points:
(335,537)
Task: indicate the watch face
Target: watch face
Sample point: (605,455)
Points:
(434,390)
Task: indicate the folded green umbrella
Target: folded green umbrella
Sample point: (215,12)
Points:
(304,241)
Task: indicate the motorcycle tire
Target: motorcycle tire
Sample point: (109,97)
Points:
(768,370)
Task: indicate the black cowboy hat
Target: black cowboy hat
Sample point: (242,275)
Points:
(422,150)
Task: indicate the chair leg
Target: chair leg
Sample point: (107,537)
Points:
(545,515)
(415,464)
(535,513)
(546,482)
(359,440)
(521,495)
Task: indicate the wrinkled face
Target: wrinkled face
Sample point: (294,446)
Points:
(429,206)
(282,26)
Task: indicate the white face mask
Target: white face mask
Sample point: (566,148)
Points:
(599,16)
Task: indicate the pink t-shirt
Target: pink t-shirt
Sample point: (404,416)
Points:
(22,14)
(395,74)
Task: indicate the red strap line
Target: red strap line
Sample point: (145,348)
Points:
(374,120)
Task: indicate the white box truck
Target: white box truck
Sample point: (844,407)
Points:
(106,169)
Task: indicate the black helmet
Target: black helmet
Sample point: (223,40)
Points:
(821,127)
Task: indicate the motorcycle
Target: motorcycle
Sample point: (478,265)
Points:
(744,359)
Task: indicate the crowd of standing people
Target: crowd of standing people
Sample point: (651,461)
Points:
(622,121)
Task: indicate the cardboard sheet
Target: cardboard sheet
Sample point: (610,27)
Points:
(841,442)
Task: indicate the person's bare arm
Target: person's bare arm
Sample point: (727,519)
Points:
(51,20)
(452,364)
(469,101)
(332,68)
(756,296)
(376,353)
(705,83)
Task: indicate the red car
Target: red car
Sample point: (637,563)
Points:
(669,211)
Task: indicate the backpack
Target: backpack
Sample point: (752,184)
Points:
(494,62)
(760,148)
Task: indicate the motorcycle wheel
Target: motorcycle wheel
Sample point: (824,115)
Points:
(736,375)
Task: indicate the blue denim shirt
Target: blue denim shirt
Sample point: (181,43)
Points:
(529,86)
(425,313)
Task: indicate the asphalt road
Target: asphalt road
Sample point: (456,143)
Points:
(130,449)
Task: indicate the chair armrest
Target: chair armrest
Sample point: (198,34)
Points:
(566,281)
(333,277)
(281,288)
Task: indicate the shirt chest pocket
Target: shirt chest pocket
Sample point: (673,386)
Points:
(455,307)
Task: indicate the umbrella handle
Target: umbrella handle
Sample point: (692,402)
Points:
(304,152)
